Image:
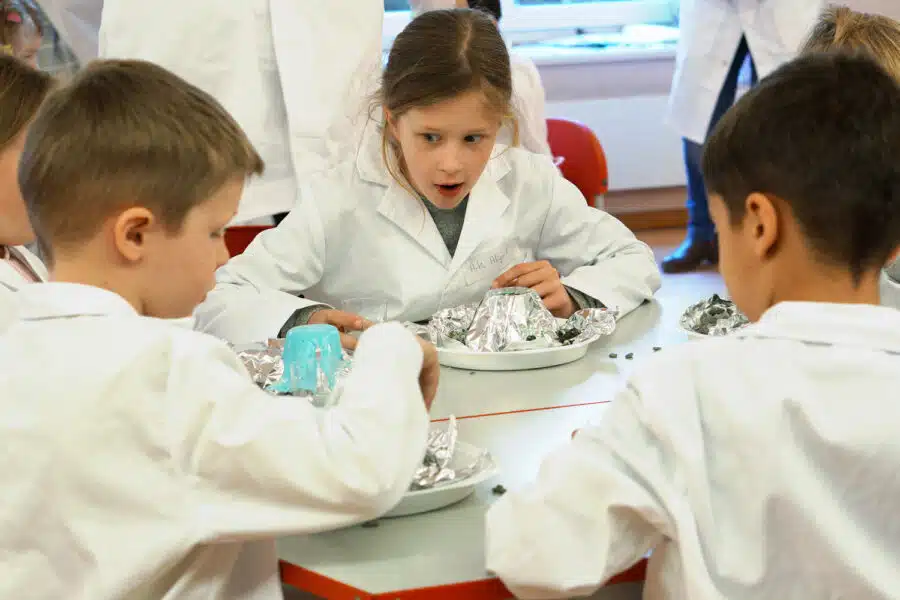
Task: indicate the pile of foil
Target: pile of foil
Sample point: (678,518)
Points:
(714,316)
(438,466)
(511,319)
(266,367)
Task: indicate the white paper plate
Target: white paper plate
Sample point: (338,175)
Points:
(421,501)
(521,360)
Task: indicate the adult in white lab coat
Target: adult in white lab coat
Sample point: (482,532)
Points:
(296,75)
(529,97)
(717,36)
(78,23)
(762,464)
(171,473)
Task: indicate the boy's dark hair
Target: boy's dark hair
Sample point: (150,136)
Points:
(491,7)
(822,134)
(126,133)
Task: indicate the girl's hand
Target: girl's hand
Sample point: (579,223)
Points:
(344,321)
(541,277)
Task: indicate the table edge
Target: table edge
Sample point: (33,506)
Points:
(489,588)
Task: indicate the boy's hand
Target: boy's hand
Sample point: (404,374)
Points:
(543,278)
(344,321)
(431,370)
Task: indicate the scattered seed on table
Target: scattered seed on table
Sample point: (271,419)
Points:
(370,524)
(614,355)
(656,348)
(498,490)
(629,356)
(471,372)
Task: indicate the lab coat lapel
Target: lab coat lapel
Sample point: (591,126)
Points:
(487,203)
(397,204)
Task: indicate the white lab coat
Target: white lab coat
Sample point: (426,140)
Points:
(139,461)
(710,33)
(529,100)
(763,465)
(358,233)
(78,23)
(297,76)
(11,281)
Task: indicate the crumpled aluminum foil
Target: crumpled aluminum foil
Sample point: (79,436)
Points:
(511,319)
(714,316)
(264,363)
(436,467)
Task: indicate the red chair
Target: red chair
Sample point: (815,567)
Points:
(238,237)
(584,161)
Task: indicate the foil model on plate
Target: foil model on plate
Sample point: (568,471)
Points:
(511,319)
(437,469)
(714,316)
(266,367)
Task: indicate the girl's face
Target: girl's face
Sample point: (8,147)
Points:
(15,228)
(445,147)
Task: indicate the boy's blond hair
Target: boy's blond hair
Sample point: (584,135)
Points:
(126,133)
(840,28)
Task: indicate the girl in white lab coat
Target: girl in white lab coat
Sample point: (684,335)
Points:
(716,39)
(429,212)
(763,464)
(22,90)
(841,28)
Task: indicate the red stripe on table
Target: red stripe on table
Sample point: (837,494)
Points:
(482,589)
(523,410)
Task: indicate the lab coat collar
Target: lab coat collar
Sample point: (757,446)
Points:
(854,325)
(66,300)
(487,202)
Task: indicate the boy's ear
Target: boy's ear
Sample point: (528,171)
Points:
(130,231)
(761,220)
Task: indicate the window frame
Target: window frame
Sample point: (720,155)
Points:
(563,18)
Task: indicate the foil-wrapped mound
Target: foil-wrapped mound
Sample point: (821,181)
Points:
(714,316)
(511,319)
(438,466)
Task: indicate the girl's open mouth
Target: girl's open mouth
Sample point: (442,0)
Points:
(449,190)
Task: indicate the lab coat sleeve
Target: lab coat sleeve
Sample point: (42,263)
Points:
(596,508)
(263,466)
(257,291)
(78,23)
(593,251)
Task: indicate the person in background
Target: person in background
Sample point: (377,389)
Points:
(296,75)
(21,30)
(428,213)
(140,460)
(22,90)
(529,97)
(716,39)
(78,23)
(841,28)
(763,464)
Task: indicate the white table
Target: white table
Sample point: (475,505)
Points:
(519,417)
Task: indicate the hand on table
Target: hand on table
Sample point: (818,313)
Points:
(431,369)
(543,278)
(345,323)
